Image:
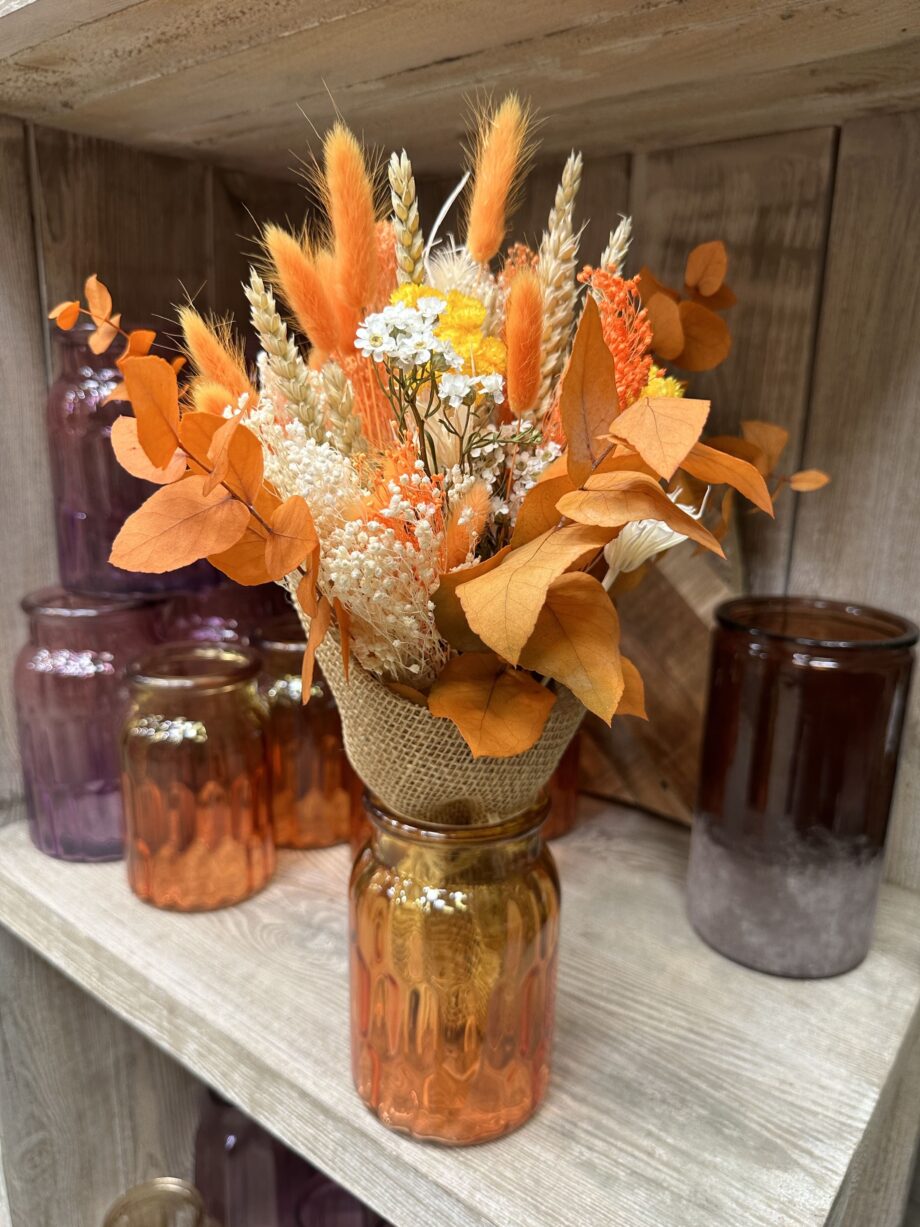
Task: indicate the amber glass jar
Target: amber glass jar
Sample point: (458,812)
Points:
(454,933)
(806,707)
(195,778)
(311,779)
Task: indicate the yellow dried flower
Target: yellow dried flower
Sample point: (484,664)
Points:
(662,384)
(461,323)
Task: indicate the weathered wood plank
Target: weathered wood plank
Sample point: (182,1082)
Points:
(634,75)
(87,1107)
(686,1091)
(769,199)
(141,221)
(29,557)
(857,538)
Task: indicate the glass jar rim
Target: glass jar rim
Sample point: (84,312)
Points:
(507,826)
(178,1192)
(894,631)
(59,603)
(282,633)
(194,665)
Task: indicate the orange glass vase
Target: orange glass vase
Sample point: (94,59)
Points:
(195,778)
(312,782)
(454,935)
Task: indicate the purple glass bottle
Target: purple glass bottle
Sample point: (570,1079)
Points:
(71,700)
(93,495)
(247,1178)
(229,613)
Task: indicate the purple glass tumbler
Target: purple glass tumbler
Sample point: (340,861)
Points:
(71,700)
(93,494)
(806,708)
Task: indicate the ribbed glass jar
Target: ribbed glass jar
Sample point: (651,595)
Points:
(454,934)
(71,699)
(93,494)
(806,707)
(313,785)
(195,778)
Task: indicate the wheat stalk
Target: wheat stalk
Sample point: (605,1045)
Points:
(410,246)
(344,424)
(614,256)
(556,273)
(285,363)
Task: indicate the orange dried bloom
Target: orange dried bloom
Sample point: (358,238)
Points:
(370,403)
(519,258)
(212,350)
(523,340)
(392,471)
(626,329)
(386,264)
(306,290)
(500,159)
(349,200)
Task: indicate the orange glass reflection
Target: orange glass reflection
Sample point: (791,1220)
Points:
(195,779)
(453,974)
(312,782)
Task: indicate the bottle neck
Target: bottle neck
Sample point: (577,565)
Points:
(75,360)
(118,632)
(193,702)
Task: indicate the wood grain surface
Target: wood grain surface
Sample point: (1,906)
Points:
(687,1091)
(28,552)
(87,1106)
(769,199)
(231,82)
(858,538)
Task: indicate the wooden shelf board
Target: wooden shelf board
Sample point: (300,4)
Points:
(686,1090)
(232,82)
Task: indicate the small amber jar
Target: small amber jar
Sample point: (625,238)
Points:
(454,933)
(312,781)
(195,778)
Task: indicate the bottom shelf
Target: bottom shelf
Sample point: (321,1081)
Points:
(686,1091)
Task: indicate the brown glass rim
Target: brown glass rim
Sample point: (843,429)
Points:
(730,616)
(280,634)
(59,603)
(509,826)
(207,667)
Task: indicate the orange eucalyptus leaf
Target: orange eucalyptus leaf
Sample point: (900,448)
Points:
(667,330)
(650,285)
(721,300)
(154,396)
(538,511)
(134,460)
(219,453)
(177,525)
(448,612)
(104,335)
(243,455)
(707,265)
(65,315)
(98,299)
(632,701)
(770,438)
(718,468)
(499,711)
(244,562)
(319,625)
(237,455)
(707,340)
(576,642)
(610,500)
(292,538)
(662,429)
(588,400)
(502,605)
(139,342)
(343,621)
(808,479)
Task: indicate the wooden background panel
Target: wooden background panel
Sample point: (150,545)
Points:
(87,1106)
(28,550)
(858,538)
(768,198)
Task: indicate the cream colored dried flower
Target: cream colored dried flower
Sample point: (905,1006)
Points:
(343,423)
(410,246)
(614,255)
(556,273)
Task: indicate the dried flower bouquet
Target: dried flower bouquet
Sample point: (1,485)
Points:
(446,457)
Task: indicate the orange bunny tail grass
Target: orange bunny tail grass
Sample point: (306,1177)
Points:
(210,397)
(626,329)
(349,198)
(500,162)
(523,341)
(215,354)
(370,403)
(468,517)
(299,278)
(386,264)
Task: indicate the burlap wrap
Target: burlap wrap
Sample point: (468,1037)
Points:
(419,766)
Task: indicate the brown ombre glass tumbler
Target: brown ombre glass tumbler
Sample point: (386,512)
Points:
(195,778)
(806,708)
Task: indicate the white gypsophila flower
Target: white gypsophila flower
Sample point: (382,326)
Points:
(405,336)
(493,386)
(641,540)
(455,388)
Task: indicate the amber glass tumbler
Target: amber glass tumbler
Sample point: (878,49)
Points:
(311,779)
(195,778)
(806,707)
(454,933)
